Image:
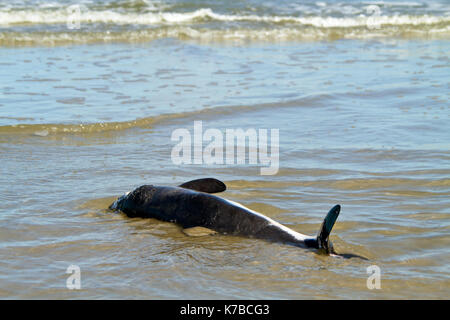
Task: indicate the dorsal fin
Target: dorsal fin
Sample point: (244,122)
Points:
(208,185)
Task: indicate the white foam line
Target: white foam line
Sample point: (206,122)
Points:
(172,18)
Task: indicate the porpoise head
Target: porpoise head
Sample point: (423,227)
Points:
(117,205)
(130,200)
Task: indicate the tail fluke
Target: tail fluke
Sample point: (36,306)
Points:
(322,241)
(325,230)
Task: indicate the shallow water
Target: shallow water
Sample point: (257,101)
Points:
(363,123)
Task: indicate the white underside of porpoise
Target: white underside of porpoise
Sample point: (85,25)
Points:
(295,234)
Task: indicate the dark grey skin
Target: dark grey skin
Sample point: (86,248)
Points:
(189,205)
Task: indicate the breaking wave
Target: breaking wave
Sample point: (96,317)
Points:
(59,26)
